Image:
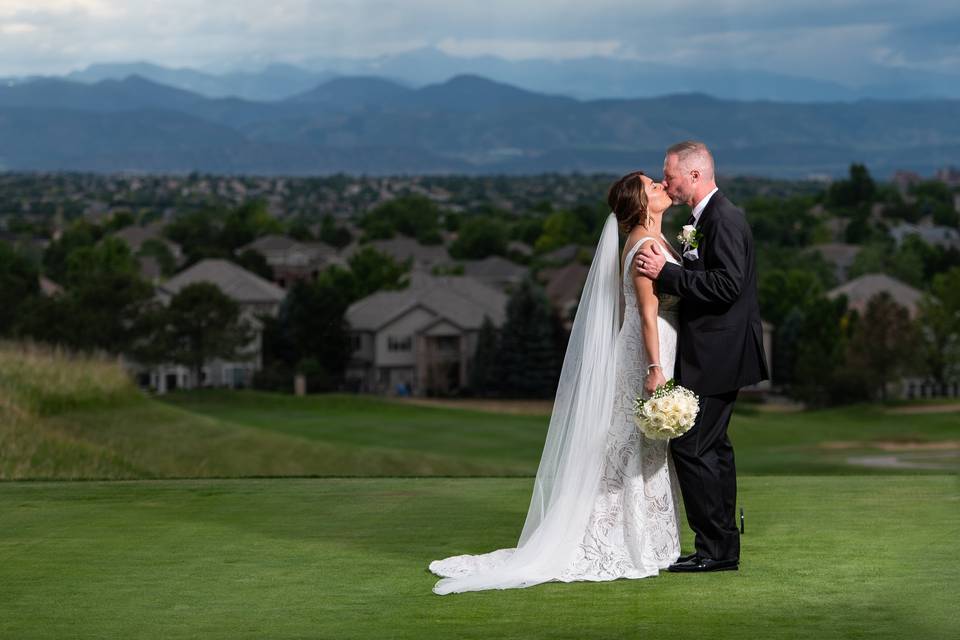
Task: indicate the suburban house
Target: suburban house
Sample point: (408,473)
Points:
(292,260)
(840,255)
(402,248)
(420,340)
(496,271)
(859,291)
(939,236)
(135,236)
(257,297)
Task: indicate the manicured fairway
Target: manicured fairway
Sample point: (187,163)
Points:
(824,557)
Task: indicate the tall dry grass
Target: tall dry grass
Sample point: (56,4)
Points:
(41,380)
(38,381)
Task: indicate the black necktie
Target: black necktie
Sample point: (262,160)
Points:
(691,220)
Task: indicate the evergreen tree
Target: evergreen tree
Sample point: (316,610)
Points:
(483,375)
(883,345)
(527,360)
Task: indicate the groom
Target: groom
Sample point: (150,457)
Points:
(720,350)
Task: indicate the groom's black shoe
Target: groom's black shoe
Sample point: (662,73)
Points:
(686,558)
(698,564)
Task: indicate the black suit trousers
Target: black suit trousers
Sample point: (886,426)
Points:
(703,460)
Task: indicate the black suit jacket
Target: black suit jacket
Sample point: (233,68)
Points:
(720,339)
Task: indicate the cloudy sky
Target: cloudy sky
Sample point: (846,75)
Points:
(842,40)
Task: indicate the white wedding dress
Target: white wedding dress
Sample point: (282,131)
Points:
(632,530)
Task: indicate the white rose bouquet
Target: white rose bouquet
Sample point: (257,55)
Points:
(668,413)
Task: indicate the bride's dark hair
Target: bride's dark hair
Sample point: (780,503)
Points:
(628,201)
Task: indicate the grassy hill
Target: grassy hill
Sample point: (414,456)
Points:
(64,416)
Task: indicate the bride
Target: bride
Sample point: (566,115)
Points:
(604,503)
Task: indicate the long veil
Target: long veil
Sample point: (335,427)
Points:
(571,465)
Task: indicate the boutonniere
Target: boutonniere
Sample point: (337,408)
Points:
(690,236)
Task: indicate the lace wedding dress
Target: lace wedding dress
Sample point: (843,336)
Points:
(632,530)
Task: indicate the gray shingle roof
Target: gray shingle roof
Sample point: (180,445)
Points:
(462,300)
(860,290)
(238,283)
(494,267)
(402,247)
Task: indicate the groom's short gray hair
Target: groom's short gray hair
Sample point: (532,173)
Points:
(692,154)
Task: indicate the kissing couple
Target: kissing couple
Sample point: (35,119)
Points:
(605,498)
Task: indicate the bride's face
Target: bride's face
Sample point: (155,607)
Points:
(657,198)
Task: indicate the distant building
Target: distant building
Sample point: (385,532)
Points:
(292,260)
(421,339)
(950,176)
(840,255)
(255,296)
(860,290)
(903,180)
(402,248)
(135,236)
(563,286)
(946,237)
(496,271)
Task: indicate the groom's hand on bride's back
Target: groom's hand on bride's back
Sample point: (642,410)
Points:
(649,260)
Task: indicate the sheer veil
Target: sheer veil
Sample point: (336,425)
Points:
(571,465)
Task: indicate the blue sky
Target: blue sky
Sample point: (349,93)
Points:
(846,41)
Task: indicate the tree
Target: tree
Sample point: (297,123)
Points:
(103,300)
(483,377)
(333,234)
(480,237)
(159,250)
(375,271)
(560,228)
(939,327)
(883,345)
(18,283)
(413,215)
(822,346)
(782,290)
(201,323)
(858,189)
(527,362)
(255,262)
(80,234)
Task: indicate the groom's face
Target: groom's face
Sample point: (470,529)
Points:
(679,183)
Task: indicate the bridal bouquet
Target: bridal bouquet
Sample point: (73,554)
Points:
(668,413)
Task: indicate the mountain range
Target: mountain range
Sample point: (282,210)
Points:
(467,124)
(587,78)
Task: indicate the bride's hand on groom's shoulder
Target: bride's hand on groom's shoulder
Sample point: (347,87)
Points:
(649,261)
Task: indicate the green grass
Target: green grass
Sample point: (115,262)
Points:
(823,557)
(766,443)
(232,434)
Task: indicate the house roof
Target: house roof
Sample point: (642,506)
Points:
(860,290)
(271,242)
(460,299)
(236,282)
(837,252)
(565,283)
(135,236)
(495,267)
(402,247)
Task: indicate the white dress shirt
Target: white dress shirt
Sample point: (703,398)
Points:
(697,210)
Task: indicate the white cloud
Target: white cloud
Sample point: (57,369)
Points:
(517,49)
(837,40)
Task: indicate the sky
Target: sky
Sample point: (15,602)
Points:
(845,41)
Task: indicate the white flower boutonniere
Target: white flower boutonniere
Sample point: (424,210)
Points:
(690,236)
